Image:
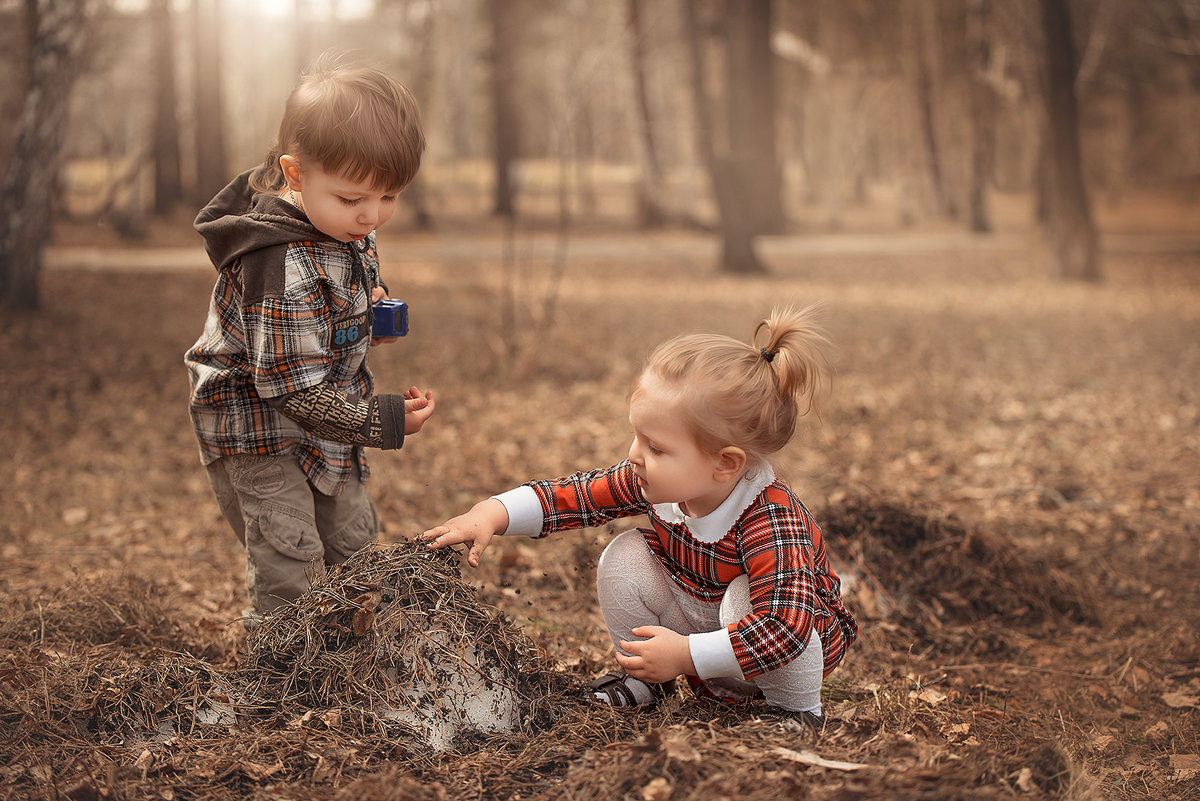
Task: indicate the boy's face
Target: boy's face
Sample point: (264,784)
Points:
(341,208)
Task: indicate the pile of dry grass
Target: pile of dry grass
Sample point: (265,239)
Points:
(396,630)
(322,691)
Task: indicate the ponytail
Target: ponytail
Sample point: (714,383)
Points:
(794,351)
(744,394)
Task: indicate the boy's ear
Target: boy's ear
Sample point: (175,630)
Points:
(730,463)
(291,170)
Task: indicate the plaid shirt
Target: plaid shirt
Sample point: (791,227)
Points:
(774,541)
(283,317)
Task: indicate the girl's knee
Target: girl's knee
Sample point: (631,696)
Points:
(623,555)
(735,605)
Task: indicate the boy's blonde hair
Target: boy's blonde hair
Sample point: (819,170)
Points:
(739,394)
(355,122)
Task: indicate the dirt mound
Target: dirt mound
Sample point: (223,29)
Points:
(931,570)
(130,611)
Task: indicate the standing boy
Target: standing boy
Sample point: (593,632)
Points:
(282,400)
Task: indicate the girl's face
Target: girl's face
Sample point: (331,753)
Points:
(346,210)
(670,466)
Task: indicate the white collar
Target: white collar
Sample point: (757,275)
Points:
(716,524)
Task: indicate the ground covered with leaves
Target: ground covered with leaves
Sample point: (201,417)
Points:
(1006,468)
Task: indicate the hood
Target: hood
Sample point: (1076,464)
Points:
(239,220)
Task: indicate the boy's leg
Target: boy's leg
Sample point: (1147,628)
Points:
(796,686)
(268,503)
(346,522)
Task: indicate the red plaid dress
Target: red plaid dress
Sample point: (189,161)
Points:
(774,541)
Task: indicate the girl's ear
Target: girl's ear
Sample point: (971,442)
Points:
(730,463)
(291,170)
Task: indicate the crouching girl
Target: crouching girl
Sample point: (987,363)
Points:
(731,585)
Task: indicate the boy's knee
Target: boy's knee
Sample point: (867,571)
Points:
(282,553)
(360,531)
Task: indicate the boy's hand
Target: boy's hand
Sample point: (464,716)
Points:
(417,409)
(476,527)
(660,658)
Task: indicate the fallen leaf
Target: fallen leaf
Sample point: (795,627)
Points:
(930,696)
(1186,766)
(361,621)
(1180,700)
(809,758)
(254,770)
(677,747)
(75,516)
(658,789)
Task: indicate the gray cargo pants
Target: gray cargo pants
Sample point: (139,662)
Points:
(290,530)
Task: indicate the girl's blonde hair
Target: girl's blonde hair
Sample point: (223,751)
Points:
(353,121)
(747,395)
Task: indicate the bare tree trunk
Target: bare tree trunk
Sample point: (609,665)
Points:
(651,212)
(737,229)
(926,63)
(1069,214)
(211,167)
(168,181)
(982,133)
(27,206)
(750,107)
(422,86)
(504,115)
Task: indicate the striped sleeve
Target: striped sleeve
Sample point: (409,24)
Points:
(587,499)
(777,554)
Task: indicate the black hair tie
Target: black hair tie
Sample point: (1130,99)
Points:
(769,355)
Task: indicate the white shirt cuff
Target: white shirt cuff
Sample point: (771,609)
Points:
(712,654)
(524,512)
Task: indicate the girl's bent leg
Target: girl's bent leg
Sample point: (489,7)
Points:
(796,686)
(633,589)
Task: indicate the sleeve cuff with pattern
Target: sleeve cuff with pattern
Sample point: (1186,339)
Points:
(524,511)
(327,412)
(712,654)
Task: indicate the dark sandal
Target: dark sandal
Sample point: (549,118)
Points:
(801,720)
(619,695)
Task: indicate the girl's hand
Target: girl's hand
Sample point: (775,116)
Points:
(477,527)
(417,409)
(660,658)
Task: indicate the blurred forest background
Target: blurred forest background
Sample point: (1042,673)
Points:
(746,117)
(997,201)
